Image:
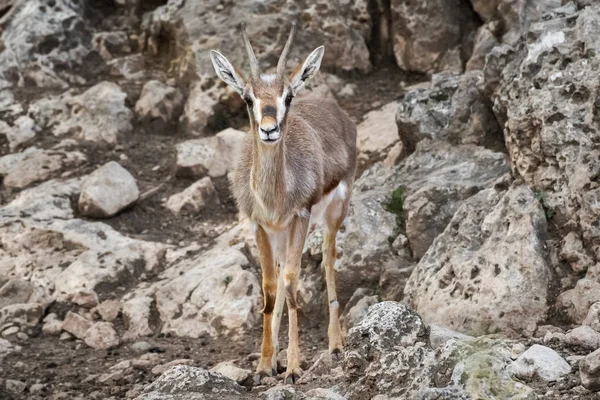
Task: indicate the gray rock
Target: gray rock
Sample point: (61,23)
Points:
(454,108)
(23,315)
(109,44)
(194,198)
(487,270)
(377,133)
(417,47)
(589,371)
(189,383)
(550,153)
(7,348)
(231,371)
(21,133)
(141,347)
(286,392)
(214,156)
(43,43)
(540,362)
(323,394)
(34,165)
(101,335)
(583,337)
(438,336)
(14,386)
(15,291)
(108,190)
(593,317)
(159,105)
(98,115)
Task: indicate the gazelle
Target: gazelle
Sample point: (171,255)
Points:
(298,161)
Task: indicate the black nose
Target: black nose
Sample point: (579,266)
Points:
(271,130)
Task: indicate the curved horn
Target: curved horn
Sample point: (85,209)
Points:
(254,69)
(286,51)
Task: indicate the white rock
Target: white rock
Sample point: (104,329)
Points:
(98,115)
(213,156)
(583,336)
(76,325)
(593,317)
(439,335)
(107,191)
(101,335)
(159,103)
(23,131)
(231,371)
(194,198)
(540,361)
(378,132)
(137,314)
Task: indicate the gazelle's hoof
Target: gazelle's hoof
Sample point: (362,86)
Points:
(262,374)
(292,377)
(336,355)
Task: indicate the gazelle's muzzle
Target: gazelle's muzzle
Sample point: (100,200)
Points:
(268,130)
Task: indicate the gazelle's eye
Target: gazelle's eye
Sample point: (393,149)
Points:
(288,99)
(248,101)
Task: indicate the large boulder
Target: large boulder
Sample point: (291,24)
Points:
(42,42)
(454,108)
(190,383)
(553,155)
(388,202)
(194,27)
(487,271)
(418,46)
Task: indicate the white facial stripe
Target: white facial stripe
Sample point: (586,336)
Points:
(257,110)
(268,78)
(280,102)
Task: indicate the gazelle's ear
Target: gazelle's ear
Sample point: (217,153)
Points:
(307,69)
(227,72)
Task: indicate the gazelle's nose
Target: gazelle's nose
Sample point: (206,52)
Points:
(269,125)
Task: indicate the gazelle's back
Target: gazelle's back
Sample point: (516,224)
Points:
(330,131)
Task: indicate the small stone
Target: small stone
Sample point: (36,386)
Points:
(22,336)
(76,325)
(10,331)
(583,336)
(516,350)
(39,388)
(589,370)
(109,310)
(542,362)
(65,336)
(86,298)
(107,191)
(141,347)
(231,371)
(195,198)
(102,336)
(52,325)
(542,330)
(593,317)
(15,387)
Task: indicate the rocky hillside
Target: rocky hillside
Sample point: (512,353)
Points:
(468,266)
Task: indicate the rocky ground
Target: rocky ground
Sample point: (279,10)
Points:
(468,266)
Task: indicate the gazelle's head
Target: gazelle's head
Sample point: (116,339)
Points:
(268,96)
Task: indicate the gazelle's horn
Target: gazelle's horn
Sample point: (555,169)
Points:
(286,51)
(254,69)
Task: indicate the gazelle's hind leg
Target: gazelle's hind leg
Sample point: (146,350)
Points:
(334,217)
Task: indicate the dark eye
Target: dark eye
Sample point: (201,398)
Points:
(288,100)
(248,101)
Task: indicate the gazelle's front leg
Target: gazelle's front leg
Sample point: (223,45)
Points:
(291,274)
(269,285)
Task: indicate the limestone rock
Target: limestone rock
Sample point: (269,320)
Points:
(576,302)
(98,115)
(195,198)
(417,47)
(76,325)
(34,165)
(454,109)
(213,156)
(107,191)
(552,155)
(378,133)
(15,291)
(184,382)
(101,335)
(43,42)
(438,336)
(487,269)
(229,370)
(109,310)
(541,362)
(139,314)
(589,370)
(159,104)
(23,131)
(583,337)
(23,315)
(110,44)
(593,317)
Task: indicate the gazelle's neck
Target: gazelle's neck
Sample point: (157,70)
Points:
(268,172)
